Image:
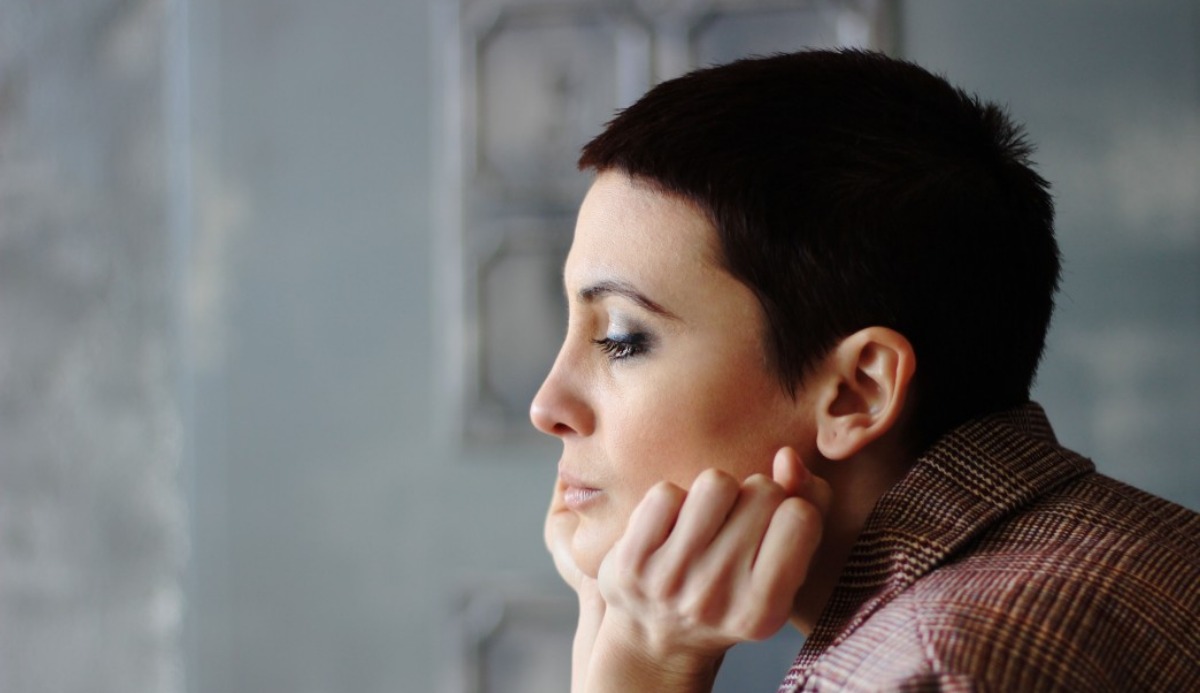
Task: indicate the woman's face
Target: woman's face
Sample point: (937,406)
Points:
(662,373)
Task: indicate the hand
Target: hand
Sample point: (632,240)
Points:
(699,571)
(558,530)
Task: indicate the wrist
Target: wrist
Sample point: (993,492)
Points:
(591,615)
(625,658)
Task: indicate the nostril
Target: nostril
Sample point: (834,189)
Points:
(557,417)
(550,425)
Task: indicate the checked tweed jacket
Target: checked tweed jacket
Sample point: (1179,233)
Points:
(1004,562)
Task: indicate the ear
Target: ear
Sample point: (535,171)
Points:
(866,384)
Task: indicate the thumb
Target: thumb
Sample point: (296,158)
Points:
(789,472)
(559,530)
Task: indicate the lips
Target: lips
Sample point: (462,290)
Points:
(577,493)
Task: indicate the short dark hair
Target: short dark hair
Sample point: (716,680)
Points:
(850,189)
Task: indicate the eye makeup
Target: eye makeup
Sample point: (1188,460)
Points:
(623,346)
(624,339)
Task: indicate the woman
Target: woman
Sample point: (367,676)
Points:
(767,250)
(664,376)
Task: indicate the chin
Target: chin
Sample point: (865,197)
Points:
(589,548)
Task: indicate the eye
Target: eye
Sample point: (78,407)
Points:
(623,346)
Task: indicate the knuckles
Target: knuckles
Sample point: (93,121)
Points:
(715,482)
(764,489)
(716,605)
(801,514)
(705,607)
(665,493)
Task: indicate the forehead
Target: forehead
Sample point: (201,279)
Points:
(629,230)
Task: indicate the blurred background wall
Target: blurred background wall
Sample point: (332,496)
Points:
(225,463)
(92,518)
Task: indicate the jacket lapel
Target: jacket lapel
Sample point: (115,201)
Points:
(962,486)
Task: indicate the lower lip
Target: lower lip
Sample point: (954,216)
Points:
(577,498)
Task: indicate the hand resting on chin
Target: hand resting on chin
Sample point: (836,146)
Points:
(694,573)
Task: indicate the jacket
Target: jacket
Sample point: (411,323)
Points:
(1004,562)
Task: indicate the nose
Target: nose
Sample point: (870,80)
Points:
(560,407)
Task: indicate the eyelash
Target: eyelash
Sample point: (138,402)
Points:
(623,346)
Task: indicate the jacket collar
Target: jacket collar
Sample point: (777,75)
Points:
(960,487)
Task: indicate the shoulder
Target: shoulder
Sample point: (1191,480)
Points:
(1093,537)
(1094,586)
(1003,561)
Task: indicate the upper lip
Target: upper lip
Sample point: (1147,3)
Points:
(571,480)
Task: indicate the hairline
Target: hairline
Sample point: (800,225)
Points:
(716,254)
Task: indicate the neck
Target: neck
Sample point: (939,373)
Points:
(857,484)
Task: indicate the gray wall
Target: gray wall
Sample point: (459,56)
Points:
(217,286)
(1111,92)
(332,529)
(92,535)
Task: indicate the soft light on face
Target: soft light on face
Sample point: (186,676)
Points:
(662,373)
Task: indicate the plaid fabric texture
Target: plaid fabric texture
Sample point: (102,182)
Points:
(1004,562)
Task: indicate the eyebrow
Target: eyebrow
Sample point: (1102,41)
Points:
(610,287)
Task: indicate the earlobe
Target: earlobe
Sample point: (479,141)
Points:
(868,375)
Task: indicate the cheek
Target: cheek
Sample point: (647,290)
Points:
(647,443)
(681,427)
(740,426)
(672,431)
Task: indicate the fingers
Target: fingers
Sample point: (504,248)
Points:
(622,576)
(784,558)
(709,502)
(737,542)
(790,472)
(764,549)
(719,526)
(720,563)
(649,525)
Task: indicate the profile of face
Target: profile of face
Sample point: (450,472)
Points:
(663,371)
